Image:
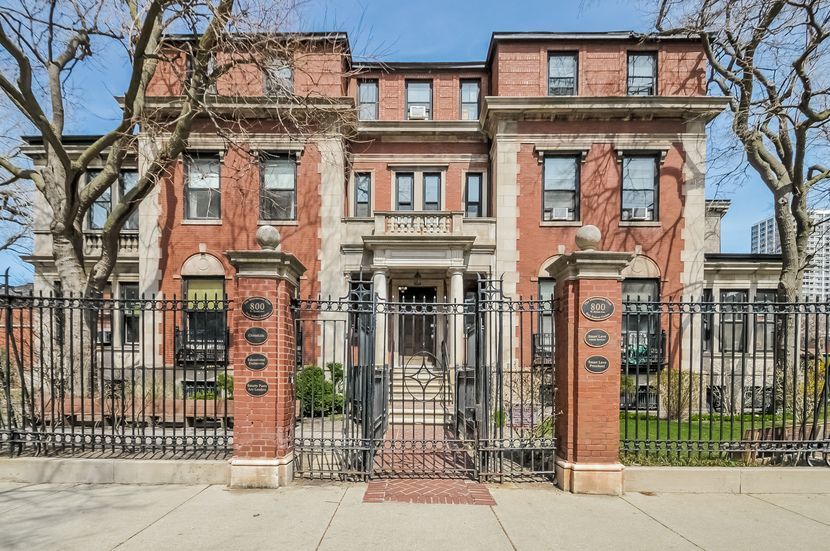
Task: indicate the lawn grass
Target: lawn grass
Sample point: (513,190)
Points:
(706,428)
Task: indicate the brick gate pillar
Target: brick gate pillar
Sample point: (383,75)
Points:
(262,352)
(587,358)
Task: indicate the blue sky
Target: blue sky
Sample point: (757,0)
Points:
(432,30)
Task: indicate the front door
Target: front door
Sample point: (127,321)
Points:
(417,331)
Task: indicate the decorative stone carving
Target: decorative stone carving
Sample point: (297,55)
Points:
(588,238)
(202,264)
(268,237)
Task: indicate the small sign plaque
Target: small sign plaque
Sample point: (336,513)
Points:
(256,335)
(597,308)
(256,387)
(257,308)
(256,362)
(596,338)
(596,364)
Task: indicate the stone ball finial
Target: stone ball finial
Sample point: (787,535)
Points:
(268,237)
(588,238)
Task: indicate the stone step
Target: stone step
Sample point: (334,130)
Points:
(416,417)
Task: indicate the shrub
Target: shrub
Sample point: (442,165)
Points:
(809,388)
(678,391)
(224,384)
(316,393)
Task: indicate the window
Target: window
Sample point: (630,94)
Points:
(279,78)
(562,74)
(708,319)
(641,324)
(473,204)
(419,94)
(733,321)
(544,341)
(639,188)
(363,194)
(560,193)
(432,191)
(404,184)
(126,182)
(204,310)
(202,188)
(278,195)
(210,74)
(130,313)
(642,74)
(470,90)
(367,100)
(100,209)
(765,319)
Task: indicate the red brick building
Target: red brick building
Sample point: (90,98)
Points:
(455,171)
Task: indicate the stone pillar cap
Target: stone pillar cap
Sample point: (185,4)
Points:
(266,264)
(590,264)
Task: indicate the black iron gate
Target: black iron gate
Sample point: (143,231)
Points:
(422,388)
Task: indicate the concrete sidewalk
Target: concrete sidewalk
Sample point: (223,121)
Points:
(333,516)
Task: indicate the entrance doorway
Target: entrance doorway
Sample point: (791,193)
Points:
(417,332)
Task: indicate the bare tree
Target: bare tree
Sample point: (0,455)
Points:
(15,194)
(43,43)
(770,58)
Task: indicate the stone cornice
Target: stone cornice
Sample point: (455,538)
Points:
(252,106)
(444,242)
(463,130)
(498,108)
(266,264)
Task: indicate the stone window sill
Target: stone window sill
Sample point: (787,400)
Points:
(201,222)
(560,223)
(639,224)
(278,223)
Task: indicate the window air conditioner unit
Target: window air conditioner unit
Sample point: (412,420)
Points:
(560,213)
(639,213)
(105,338)
(417,112)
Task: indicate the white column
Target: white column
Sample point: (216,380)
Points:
(380,282)
(457,321)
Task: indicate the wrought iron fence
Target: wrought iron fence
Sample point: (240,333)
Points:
(417,387)
(735,381)
(135,376)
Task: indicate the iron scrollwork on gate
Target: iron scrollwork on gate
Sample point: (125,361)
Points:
(417,386)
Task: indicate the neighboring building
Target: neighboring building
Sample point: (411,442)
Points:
(816,284)
(457,170)
(765,237)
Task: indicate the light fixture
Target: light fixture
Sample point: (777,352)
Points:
(417,279)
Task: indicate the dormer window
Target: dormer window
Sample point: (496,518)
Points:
(419,99)
(279,78)
(562,74)
(367,99)
(642,74)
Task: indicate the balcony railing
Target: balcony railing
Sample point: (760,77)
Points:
(418,223)
(201,349)
(127,244)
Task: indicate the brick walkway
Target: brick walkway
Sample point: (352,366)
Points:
(461,492)
(418,450)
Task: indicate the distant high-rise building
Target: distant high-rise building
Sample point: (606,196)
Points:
(765,239)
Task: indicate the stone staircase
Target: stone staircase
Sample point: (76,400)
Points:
(420,395)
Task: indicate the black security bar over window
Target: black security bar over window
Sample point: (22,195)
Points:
(128,376)
(728,382)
